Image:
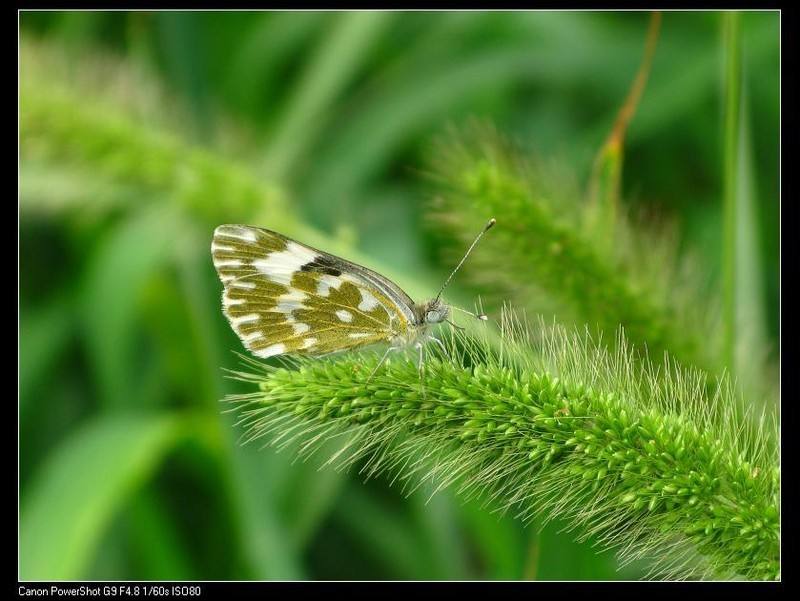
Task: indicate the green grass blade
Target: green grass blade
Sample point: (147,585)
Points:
(332,66)
(254,74)
(116,275)
(501,543)
(398,113)
(557,559)
(45,333)
(267,544)
(386,536)
(181,37)
(436,518)
(157,548)
(305,495)
(751,352)
(83,484)
(732,123)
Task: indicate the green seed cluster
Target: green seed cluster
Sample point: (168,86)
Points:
(59,125)
(547,251)
(613,466)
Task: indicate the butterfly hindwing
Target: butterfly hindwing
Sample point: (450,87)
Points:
(285,297)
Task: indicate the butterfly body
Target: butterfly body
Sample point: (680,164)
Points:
(284,297)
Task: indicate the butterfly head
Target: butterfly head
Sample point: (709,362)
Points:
(433,311)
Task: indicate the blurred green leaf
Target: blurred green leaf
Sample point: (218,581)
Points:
(103,133)
(253,78)
(500,541)
(157,547)
(561,558)
(187,64)
(267,543)
(384,534)
(83,483)
(304,493)
(77,27)
(113,285)
(44,335)
(751,321)
(398,112)
(337,59)
(436,518)
(731,152)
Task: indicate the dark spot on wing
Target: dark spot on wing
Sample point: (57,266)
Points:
(322,265)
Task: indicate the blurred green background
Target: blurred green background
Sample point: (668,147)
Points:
(142,131)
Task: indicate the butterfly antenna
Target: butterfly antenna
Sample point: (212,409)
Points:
(485,229)
(481,316)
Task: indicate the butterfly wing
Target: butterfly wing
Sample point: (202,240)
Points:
(282,296)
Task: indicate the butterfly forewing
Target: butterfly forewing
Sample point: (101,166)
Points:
(285,297)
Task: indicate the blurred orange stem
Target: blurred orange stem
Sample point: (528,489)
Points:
(607,169)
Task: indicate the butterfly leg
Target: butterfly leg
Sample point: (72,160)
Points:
(383,359)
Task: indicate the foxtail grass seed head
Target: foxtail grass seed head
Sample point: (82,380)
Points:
(547,424)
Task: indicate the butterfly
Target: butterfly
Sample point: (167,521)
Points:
(283,297)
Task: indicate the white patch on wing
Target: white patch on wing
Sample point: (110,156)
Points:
(344,316)
(326,282)
(244,284)
(237,321)
(228,263)
(359,334)
(227,301)
(368,302)
(238,232)
(298,326)
(290,301)
(280,266)
(273,349)
(276,277)
(221,247)
(251,336)
(308,342)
